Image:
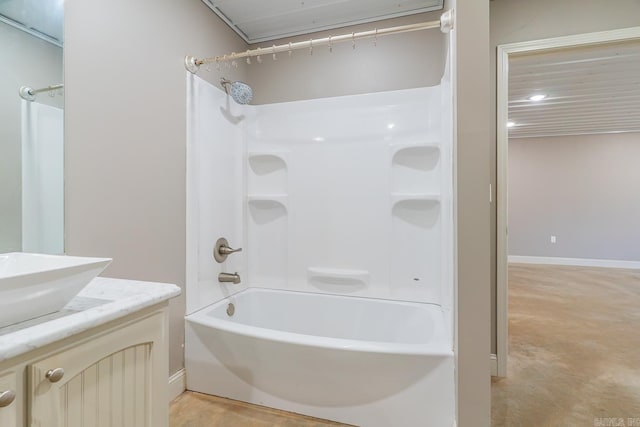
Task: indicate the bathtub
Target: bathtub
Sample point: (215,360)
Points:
(359,361)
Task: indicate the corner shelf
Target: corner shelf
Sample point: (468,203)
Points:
(269,157)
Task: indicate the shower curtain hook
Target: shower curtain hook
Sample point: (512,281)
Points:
(353,40)
(330,45)
(311,47)
(273,51)
(375,38)
(248,57)
(259,58)
(290,50)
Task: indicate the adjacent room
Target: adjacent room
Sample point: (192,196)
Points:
(573,230)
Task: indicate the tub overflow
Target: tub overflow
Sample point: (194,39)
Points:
(231,309)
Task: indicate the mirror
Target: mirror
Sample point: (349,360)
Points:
(31,135)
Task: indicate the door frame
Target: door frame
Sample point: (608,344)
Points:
(504,52)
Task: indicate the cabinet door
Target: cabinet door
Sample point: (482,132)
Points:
(116,380)
(8,400)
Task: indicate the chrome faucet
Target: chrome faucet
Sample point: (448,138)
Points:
(229,278)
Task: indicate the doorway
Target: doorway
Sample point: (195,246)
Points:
(505,54)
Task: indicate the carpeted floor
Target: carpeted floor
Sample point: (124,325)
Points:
(574,348)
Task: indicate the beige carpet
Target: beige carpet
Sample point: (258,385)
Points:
(574,348)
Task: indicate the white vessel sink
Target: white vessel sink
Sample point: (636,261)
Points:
(32,285)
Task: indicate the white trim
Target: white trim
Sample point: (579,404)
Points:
(493,361)
(177,384)
(502,324)
(502,159)
(582,262)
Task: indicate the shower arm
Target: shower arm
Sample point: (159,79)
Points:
(224,82)
(445,23)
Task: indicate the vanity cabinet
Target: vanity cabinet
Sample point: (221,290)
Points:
(114,375)
(8,405)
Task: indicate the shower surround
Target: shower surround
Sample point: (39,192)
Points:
(344,209)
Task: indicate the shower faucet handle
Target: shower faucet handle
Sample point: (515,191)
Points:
(222,250)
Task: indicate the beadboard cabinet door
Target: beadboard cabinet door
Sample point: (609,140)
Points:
(106,382)
(9,395)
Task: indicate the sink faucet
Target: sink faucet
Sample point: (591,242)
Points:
(229,278)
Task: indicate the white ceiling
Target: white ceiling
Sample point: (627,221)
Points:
(43,17)
(589,90)
(261,20)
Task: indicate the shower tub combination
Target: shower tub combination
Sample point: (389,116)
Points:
(358,360)
(344,209)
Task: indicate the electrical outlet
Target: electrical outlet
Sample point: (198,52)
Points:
(553,239)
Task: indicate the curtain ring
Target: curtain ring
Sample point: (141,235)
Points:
(311,47)
(353,40)
(330,44)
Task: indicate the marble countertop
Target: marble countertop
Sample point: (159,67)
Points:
(101,301)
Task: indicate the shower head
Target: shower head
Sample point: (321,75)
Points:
(240,92)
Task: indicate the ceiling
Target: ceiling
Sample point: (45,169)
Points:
(589,90)
(259,20)
(42,18)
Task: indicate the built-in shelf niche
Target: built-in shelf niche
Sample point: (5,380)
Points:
(267,202)
(415,167)
(267,172)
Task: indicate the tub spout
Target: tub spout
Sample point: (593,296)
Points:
(229,278)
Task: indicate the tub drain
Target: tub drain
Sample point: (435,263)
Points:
(231,309)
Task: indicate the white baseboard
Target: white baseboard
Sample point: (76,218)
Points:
(177,384)
(582,262)
(493,360)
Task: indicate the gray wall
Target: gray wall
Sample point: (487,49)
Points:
(585,190)
(126,153)
(472,210)
(24,61)
(522,20)
(126,134)
(400,61)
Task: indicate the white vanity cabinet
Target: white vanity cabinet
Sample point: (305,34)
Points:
(112,375)
(8,395)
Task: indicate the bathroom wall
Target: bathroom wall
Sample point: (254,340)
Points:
(351,195)
(125,129)
(24,61)
(521,20)
(471,177)
(400,61)
(581,189)
(216,156)
(126,161)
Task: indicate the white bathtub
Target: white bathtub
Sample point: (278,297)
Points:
(355,360)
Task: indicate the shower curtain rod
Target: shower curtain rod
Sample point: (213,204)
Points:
(29,93)
(445,23)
